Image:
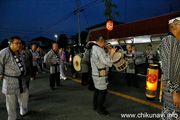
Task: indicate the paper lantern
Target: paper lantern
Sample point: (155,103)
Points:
(70,58)
(109,25)
(152,81)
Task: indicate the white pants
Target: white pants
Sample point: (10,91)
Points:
(62,72)
(11,101)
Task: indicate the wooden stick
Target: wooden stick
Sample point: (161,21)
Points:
(160,94)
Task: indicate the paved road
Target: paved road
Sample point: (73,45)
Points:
(74,102)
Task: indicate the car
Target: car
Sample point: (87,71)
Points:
(140,58)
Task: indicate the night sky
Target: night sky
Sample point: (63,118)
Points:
(32,18)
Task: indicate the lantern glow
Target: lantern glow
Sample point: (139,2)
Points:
(70,58)
(152,81)
(109,25)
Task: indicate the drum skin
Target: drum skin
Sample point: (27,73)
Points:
(77,62)
(119,61)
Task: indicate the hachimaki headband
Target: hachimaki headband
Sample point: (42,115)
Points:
(174,20)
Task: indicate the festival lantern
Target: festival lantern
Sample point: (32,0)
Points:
(70,58)
(152,81)
(109,25)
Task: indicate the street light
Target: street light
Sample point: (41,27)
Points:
(56,36)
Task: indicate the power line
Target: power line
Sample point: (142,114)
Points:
(49,3)
(16,32)
(22,31)
(87,5)
(51,25)
(65,17)
(85,17)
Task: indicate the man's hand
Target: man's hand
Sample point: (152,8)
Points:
(113,50)
(109,50)
(176,99)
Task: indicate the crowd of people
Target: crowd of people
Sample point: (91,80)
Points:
(19,65)
(169,57)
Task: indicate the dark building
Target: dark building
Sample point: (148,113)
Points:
(44,43)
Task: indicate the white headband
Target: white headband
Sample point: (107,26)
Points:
(174,20)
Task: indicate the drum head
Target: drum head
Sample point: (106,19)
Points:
(77,63)
(117,56)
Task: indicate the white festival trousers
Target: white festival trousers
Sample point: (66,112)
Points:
(62,72)
(11,102)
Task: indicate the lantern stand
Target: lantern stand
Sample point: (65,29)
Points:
(160,93)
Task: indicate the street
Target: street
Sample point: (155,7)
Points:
(74,101)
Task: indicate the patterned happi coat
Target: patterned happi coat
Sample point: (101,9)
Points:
(170,58)
(35,55)
(100,60)
(131,62)
(9,67)
(55,59)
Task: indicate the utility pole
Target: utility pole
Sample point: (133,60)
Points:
(170,7)
(79,26)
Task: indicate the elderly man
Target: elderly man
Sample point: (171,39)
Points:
(35,56)
(130,57)
(170,58)
(12,71)
(53,58)
(100,63)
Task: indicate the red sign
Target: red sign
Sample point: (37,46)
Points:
(109,25)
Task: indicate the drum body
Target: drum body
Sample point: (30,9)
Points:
(119,62)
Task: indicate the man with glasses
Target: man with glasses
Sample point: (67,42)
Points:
(170,58)
(12,72)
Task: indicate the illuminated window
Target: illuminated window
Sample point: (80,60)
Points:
(155,39)
(142,39)
(128,41)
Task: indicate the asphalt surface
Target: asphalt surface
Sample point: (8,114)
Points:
(74,102)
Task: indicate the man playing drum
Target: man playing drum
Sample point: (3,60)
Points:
(100,63)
